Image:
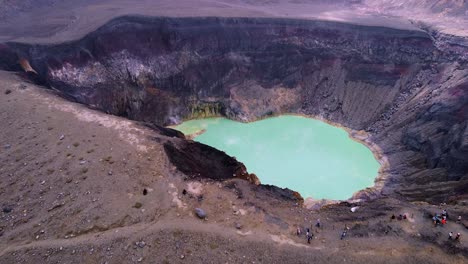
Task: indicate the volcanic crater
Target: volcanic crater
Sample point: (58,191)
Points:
(396,86)
(402,92)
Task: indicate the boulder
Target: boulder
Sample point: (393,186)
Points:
(200,213)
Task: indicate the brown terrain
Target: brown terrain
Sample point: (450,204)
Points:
(90,174)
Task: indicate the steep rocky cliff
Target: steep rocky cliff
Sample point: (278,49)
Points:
(404,87)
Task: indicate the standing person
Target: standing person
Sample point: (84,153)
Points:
(308,235)
(343,234)
(450,236)
(457,237)
(298,231)
(345,231)
(445,214)
(318,223)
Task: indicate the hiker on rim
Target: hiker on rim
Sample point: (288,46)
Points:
(345,231)
(343,234)
(445,214)
(308,235)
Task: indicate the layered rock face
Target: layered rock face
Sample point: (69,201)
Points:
(404,87)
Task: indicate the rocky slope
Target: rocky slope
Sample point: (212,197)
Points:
(404,87)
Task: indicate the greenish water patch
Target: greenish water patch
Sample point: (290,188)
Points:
(306,155)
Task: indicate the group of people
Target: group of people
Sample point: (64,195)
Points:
(400,217)
(441,219)
(438,219)
(457,236)
(309,235)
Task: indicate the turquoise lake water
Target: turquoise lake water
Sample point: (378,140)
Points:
(306,155)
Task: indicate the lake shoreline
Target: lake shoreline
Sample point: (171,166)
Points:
(361,137)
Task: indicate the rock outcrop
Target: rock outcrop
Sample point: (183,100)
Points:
(198,160)
(405,88)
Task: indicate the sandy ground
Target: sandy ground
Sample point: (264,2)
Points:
(49,21)
(80,186)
